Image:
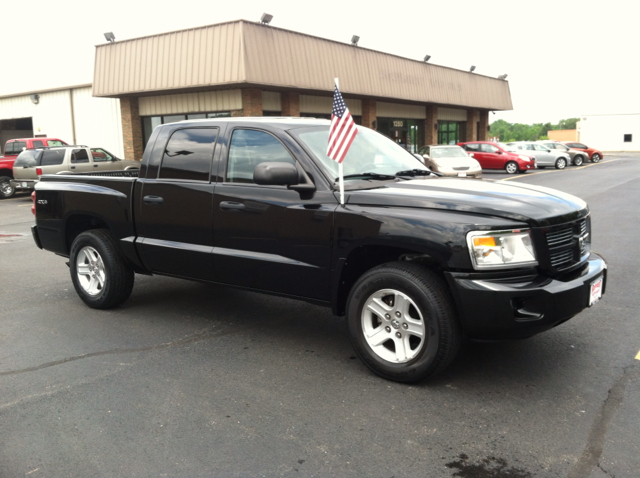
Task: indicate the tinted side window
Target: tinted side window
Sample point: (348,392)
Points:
(189,154)
(15,147)
(52,157)
(27,159)
(581,146)
(79,156)
(100,155)
(37,144)
(248,149)
(488,148)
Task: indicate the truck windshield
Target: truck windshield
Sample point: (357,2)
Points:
(370,152)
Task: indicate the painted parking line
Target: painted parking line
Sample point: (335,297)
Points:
(551,171)
(638,356)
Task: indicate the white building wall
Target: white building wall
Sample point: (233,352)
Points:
(606,132)
(97,120)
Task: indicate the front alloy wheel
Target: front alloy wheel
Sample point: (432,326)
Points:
(561,163)
(511,167)
(595,158)
(393,326)
(578,160)
(402,322)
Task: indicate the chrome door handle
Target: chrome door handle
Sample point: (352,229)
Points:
(232,206)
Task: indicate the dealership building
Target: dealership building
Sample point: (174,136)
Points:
(244,68)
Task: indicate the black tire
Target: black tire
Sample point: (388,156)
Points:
(561,163)
(511,167)
(595,158)
(578,160)
(100,275)
(423,304)
(6,189)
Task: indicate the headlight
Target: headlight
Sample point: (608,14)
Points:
(501,249)
(525,158)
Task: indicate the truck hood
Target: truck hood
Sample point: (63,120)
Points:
(535,205)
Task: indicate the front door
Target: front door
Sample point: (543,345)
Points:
(174,221)
(267,237)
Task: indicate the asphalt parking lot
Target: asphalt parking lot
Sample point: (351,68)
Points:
(193,380)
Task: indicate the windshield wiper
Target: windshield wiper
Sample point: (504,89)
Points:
(368,176)
(416,172)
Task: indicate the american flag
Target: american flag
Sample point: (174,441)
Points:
(343,128)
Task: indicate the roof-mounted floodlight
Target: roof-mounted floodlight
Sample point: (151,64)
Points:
(354,40)
(35,99)
(426,58)
(472,68)
(266,18)
(110,37)
(503,77)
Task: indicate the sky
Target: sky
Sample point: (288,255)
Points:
(564,58)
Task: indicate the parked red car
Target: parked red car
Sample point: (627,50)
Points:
(12,149)
(594,154)
(499,156)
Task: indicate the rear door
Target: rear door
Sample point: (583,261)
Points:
(543,156)
(174,220)
(80,161)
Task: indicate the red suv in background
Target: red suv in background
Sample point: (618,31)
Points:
(594,154)
(499,156)
(12,149)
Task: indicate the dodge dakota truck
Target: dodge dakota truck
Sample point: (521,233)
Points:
(415,262)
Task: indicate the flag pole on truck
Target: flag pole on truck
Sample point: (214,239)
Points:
(342,132)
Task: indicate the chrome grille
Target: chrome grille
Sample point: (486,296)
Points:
(567,244)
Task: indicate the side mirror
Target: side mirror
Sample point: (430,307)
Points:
(426,156)
(419,156)
(275,174)
(498,152)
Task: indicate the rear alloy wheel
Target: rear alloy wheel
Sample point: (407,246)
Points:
(561,163)
(578,160)
(402,322)
(511,167)
(99,274)
(595,158)
(6,189)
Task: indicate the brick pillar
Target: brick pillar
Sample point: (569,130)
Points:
(290,102)
(472,125)
(131,128)
(483,128)
(431,125)
(370,114)
(252,102)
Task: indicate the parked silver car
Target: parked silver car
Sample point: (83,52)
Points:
(577,157)
(32,163)
(451,161)
(544,156)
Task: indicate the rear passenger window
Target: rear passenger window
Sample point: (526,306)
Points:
(472,147)
(52,157)
(55,142)
(189,154)
(248,149)
(79,156)
(38,144)
(488,148)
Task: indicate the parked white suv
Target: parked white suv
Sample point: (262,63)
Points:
(544,156)
(33,163)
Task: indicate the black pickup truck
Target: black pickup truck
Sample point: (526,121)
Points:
(416,262)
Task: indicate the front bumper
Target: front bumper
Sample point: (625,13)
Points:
(519,307)
(24,184)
